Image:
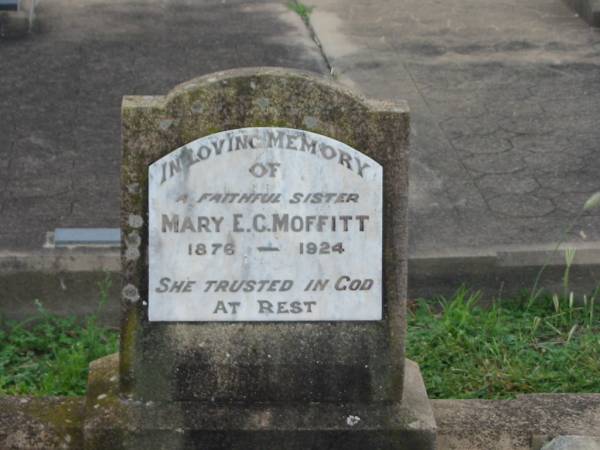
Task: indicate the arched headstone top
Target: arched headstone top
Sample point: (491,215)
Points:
(275,79)
(258,97)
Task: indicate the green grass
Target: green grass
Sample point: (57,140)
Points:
(301,9)
(49,355)
(466,351)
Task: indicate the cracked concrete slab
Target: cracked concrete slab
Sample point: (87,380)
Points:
(61,91)
(504,109)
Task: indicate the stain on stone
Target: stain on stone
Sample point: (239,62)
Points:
(263,103)
(165,124)
(134,239)
(135,221)
(198,107)
(133,188)
(130,293)
(132,253)
(311,122)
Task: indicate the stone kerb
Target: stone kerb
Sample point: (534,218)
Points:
(264,361)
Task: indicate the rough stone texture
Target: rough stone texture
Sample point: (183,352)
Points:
(328,362)
(504,100)
(521,424)
(115,422)
(62,87)
(589,10)
(29,423)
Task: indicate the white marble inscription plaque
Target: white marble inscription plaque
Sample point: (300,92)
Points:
(265,224)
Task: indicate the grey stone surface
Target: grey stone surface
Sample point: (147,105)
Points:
(41,423)
(62,86)
(504,105)
(573,443)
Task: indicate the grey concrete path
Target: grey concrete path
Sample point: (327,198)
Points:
(505,100)
(505,107)
(61,90)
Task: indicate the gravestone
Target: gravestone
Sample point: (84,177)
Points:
(264,263)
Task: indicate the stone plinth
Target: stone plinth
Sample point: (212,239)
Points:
(119,423)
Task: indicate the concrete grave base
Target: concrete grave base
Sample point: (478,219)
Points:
(114,422)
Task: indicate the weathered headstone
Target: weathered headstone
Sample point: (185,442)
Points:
(264,259)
